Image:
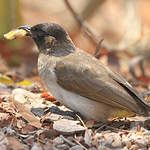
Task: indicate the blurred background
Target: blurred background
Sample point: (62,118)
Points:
(124,26)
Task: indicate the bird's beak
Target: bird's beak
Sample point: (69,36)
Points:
(18,33)
(26,28)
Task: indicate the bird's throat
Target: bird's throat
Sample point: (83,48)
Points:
(58,50)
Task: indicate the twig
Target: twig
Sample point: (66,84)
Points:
(91,8)
(67,141)
(97,50)
(80,144)
(89,32)
(81,121)
(97,130)
(71,143)
(115,129)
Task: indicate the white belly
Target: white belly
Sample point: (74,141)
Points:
(88,108)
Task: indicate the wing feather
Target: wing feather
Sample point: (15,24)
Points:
(83,74)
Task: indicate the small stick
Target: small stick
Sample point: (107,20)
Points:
(98,47)
(81,121)
(67,141)
(89,32)
(97,130)
(80,144)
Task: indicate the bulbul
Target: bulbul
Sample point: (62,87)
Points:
(80,81)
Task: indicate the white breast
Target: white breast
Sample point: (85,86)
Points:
(88,108)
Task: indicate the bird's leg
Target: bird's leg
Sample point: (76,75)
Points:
(133,63)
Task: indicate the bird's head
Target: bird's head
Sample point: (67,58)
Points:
(50,38)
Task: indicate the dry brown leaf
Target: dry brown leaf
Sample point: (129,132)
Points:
(48,134)
(3,141)
(88,137)
(7,121)
(14,143)
(48,96)
(28,129)
(90,123)
(37,146)
(144,79)
(65,126)
(27,115)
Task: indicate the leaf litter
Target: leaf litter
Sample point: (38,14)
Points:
(31,118)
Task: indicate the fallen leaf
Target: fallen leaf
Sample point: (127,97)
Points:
(14,144)
(67,126)
(90,123)
(48,145)
(48,96)
(7,120)
(6,80)
(38,111)
(24,83)
(28,129)
(29,99)
(3,141)
(144,79)
(148,99)
(27,115)
(48,134)
(88,137)
(36,146)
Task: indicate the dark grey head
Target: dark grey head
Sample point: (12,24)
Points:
(50,39)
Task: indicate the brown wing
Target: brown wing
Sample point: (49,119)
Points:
(83,74)
(139,99)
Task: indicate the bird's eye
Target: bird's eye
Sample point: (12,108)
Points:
(34,29)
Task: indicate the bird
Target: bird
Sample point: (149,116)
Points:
(79,80)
